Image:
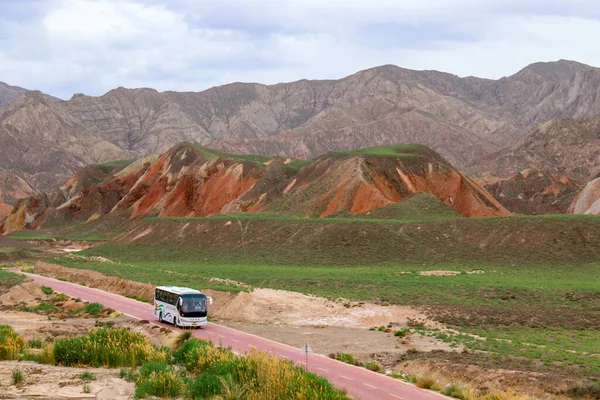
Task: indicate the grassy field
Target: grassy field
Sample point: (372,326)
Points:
(534,299)
(37,235)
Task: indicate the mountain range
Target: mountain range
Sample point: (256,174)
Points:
(494,127)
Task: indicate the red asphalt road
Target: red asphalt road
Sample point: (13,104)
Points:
(360,383)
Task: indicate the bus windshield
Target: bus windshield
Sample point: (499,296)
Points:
(193,303)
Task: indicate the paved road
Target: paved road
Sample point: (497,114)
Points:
(360,383)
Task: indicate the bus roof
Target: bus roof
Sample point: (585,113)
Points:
(179,290)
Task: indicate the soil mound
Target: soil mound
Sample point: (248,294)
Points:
(27,292)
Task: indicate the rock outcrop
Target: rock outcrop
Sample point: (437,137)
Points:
(588,200)
(189,180)
(533,192)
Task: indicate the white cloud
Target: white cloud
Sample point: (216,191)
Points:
(91,46)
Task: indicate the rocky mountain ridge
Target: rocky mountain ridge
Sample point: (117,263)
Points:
(45,141)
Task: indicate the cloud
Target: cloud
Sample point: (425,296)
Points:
(92,46)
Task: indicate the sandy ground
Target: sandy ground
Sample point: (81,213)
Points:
(61,383)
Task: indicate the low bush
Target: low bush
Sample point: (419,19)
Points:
(590,391)
(456,391)
(11,344)
(159,379)
(94,308)
(35,343)
(373,366)
(47,290)
(87,376)
(86,388)
(425,382)
(17,377)
(401,333)
(105,347)
(348,359)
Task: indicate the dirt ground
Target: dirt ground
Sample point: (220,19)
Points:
(61,383)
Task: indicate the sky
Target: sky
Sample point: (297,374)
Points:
(64,47)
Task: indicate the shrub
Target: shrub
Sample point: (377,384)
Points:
(87,376)
(455,391)
(128,374)
(17,377)
(402,332)
(182,351)
(105,347)
(425,382)
(47,355)
(35,343)
(27,356)
(86,388)
(200,359)
(47,290)
(159,379)
(45,306)
(347,358)
(264,373)
(94,308)
(205,385)
(591,391)
(11,344)
(381,328)
(372,366)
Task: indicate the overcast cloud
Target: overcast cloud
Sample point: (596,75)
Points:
(67,46)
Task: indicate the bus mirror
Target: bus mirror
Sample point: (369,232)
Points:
(209,299)
(180,302)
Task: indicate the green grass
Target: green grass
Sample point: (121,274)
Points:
(112,165)
(37,235)
(93,308)
(398,150)
(208,154)
(87,376)
(31,235)
(9,250)
(8,280)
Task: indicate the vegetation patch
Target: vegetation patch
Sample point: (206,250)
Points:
(11,344)
(105,347)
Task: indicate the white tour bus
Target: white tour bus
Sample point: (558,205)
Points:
(181,306)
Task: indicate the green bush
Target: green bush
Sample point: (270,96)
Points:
(402,332)
(455,391)
(94,308)
(179,355)
(159,379)
(105,347)
(591,391)
(372,366)
(87,376)
(45,306)
(17,377)
(27,356)
(35,343)
(47,290)
(128,374)
(86,388)
(347,358)
(11,344)
(205,385)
